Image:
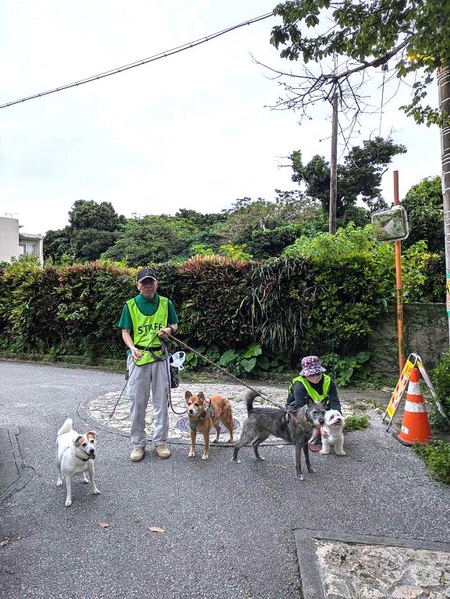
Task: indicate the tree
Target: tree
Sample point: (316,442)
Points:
(423,204)
(247,216)
(91,231)
(202,221)
(57,244)
(410,34)
(366,35)
(90,215)
(152,239)
(359,178)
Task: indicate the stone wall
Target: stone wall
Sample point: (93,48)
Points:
(425,332)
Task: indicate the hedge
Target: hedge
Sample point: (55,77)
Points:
(290,306)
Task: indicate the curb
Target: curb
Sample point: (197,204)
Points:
(14,475)
(310,570)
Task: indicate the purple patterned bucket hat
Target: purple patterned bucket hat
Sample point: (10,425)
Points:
(311,366)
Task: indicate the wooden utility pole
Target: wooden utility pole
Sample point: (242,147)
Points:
(444,105)
(333,167)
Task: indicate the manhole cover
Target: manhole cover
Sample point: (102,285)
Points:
(183,425)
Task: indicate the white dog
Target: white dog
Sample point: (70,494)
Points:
(75,455)
(332,433)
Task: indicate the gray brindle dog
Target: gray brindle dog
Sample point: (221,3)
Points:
(296,428)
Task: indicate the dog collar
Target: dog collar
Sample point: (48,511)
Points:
(82,459)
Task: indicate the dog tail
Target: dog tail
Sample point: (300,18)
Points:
(249,398)
(66,427)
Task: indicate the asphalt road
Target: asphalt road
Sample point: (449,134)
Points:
(227,529)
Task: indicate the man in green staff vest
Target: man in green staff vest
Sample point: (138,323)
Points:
(147,319)
(312,383)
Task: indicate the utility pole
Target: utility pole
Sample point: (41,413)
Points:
(333,167)
(444,105)
(398,284)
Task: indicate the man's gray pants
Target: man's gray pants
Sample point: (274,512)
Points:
(148,379)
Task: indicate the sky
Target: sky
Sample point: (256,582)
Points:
(194,130)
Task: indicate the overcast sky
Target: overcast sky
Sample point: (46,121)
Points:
(193,130)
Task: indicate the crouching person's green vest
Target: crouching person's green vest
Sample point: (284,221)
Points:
(146,328)
(313,394)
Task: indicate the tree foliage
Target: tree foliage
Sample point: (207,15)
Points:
(57,244)
(250,228)
(152,239)
(365,35)
(90,215)
(424,206)
(359,178)
(92,230)
(247,216)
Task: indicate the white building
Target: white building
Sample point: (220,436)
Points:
(13,243)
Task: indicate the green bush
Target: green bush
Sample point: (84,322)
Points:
(440,377)
(250,360)
(437,457)
(345,369)
(423,274)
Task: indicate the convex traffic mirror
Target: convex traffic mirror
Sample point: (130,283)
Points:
(390,224)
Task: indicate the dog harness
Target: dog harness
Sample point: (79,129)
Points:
(194,423)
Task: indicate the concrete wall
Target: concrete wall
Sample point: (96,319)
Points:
(9,239)
(425,332)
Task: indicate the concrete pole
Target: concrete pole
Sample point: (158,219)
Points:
(398,285)
(333,168)
(444,104)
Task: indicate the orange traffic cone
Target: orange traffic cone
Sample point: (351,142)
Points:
(415,425)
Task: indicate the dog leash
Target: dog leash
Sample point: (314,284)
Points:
(169,398)
(258,392)
(169,382)
(111,414)
(314,436)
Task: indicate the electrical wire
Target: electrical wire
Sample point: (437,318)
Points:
(141,62)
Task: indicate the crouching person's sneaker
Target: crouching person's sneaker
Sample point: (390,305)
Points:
(137,454)
(162,451)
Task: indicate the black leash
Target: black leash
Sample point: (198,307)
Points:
(111,414)
(169,382)
(257,391)
(165,356)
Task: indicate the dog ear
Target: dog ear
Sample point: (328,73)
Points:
(79,440)
(91,434)
(201,396)
(187,395)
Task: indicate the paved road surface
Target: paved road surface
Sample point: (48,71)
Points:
(246,531)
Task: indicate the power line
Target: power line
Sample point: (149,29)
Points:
(138,63)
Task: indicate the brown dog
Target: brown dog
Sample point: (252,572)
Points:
(205,413)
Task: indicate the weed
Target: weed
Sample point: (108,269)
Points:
(436,455)
(355,423)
